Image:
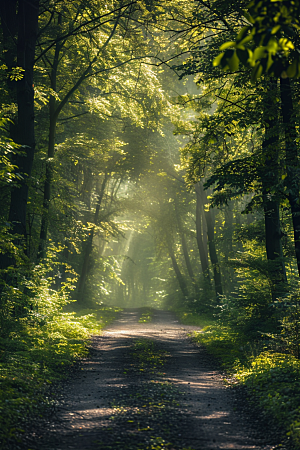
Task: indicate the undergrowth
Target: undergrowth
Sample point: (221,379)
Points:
(191,318)
(272,378)
(146,315)
(37,347)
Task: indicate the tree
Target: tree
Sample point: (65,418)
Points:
(72,31)
(19,20)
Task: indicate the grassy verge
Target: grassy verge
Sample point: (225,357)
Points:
(272,378)
(189,318)
(36,355)
(146,315)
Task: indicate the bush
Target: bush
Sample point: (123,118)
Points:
(38,343)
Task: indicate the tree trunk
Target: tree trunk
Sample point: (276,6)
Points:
(183,244)
(269,179)
(179,276)
(202,251)
(88,247)
(21,18)
(204,231)
(211,242)
(187,257)
(228,230)
(228,237)
(51,148)
(292,165)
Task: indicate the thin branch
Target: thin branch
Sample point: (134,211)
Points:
(74,31)
(65,119)
(232,103)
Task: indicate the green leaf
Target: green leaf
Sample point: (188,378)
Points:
(256,72)
(259,53)
(272,45)
(286,44)
(242,33)
(227,45)
(275,29)
(269,62)
(218,59)
(233,62)
(246,39)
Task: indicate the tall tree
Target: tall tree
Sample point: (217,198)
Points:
(210,222)
(19,21)
(292,160)
(271,198)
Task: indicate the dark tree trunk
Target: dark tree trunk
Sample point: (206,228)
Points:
(20,21)
(88,247)
(269,179)
(199,234)
(204,231)
(229,230)
(292,165)
(179,276)
(211,242)
(53,116)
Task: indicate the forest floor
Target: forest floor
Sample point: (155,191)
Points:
(147,386)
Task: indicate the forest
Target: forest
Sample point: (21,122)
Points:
(149,158)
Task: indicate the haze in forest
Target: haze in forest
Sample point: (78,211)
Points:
(149,157)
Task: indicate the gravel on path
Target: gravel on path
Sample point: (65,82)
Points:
(112,402)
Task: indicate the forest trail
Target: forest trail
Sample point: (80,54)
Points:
(174,398)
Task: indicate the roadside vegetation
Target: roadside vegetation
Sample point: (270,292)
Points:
(146,315)
(272,378)
(149,157)
(37,352)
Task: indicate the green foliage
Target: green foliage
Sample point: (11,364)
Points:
(258,344)
(269,45)
(222,342)
(190,318)
(8,171)
(249,309)
(272,379)
(38,344)
(146,315)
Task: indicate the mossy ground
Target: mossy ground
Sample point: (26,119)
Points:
(35,358)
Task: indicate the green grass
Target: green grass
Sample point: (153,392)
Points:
(146,315)
(36,355)
(272,379)
(189,318)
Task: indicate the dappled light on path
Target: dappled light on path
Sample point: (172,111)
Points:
(114,402)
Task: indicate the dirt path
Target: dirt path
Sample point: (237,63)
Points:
(173,399)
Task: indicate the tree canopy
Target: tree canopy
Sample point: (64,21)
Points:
(149,156)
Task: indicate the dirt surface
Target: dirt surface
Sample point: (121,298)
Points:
(173,399)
